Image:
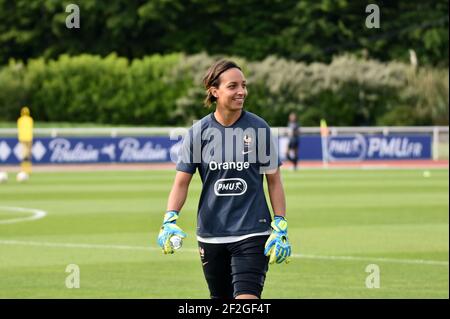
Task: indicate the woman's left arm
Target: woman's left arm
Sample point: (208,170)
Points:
(276,193)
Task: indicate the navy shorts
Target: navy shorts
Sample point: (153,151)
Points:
(235,268)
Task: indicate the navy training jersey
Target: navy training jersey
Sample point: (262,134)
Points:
(231,162)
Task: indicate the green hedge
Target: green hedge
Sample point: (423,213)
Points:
(166,90)
(89,88)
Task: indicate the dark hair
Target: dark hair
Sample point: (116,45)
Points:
(211,78)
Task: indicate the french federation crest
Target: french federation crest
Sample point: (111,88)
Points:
(247,140)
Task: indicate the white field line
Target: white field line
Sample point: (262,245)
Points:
(36,214)
(377,259)
(190,250)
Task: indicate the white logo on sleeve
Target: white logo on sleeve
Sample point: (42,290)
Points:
(230,187)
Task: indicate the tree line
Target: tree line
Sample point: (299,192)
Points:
(306,31)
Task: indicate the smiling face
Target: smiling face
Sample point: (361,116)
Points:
(232,90)
(292,117)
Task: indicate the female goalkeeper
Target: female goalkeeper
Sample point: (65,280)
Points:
(233,150)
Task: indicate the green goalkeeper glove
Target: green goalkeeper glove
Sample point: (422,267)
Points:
(168,230)
(277,246)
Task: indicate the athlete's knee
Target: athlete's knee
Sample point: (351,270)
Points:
(246,296)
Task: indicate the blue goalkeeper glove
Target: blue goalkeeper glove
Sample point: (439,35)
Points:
(277,246)
(169,229)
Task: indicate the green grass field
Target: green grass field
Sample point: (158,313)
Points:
(340,221)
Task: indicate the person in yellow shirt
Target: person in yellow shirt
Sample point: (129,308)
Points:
(25,134)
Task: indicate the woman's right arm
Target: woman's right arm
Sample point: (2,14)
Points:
(179,191)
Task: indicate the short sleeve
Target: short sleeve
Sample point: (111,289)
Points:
(270,159)
(185,162)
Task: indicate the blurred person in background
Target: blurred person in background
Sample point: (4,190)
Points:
(294,140)
(25,136)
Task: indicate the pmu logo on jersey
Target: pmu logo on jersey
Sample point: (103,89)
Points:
(230,187)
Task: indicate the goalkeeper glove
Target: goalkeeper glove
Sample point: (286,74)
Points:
(277,246)
(169,229)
